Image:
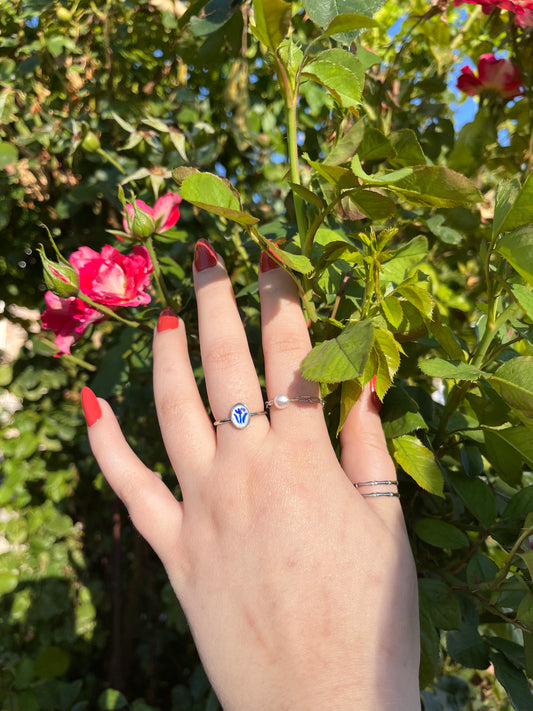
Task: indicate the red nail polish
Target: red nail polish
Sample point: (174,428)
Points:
(374,398)
(204,255)
(266,263)
(91,406)
(167,320)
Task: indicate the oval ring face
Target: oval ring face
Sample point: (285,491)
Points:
(240,416)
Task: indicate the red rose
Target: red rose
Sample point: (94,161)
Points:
(68,318)
(498,75)
(112,278)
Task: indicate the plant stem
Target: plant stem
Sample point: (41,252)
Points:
(502,574)
(159,279)
(109,158)
(290,97)
(112,314)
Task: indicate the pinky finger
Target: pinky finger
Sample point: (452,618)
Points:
(155,513)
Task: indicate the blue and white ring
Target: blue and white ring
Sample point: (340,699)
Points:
(240,416)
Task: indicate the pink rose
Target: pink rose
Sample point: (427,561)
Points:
(523,11)
(165,213)
(499,75)
(68,318)
(112,278)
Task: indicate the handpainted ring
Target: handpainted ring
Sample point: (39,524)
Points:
(239,416)
(280,402)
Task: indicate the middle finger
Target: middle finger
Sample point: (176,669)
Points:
(228,366)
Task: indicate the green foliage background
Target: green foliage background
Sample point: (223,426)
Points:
(412,243)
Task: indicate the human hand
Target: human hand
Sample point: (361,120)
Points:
(300,592)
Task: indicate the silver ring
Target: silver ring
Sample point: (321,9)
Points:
(239,416)
(280,402)
(376,483)
(382,493)
(386,482)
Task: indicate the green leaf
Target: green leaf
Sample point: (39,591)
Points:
(400,414)
(508,449)
(429,645)
(214,15)
(513,205)
(466,646)
(383,179)
(440,534)
(417,461)
(341,178)
(8,154)
(345,148)
(513,681)
(348,22)
(476,496)
(514,382)
(524,296)
(457,370)
(111,699)
(211,193)
(436,186)
(480,569)
(341,358)
(440,603)
(517,248)
(8,582)
(341,73)
(51,663)
(420,298)
(375,146)
(520,505)
(373,204)
(403,260)
(272,19)
(307,195)
(350,392)
(408,150)
(322,12)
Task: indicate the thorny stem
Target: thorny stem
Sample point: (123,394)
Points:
(112,314)
(159,279)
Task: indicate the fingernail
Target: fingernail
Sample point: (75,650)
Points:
(373,394)
(91,406)
(167,320)
(266,263)
(204,255)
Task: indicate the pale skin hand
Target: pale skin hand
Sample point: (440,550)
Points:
(300,593)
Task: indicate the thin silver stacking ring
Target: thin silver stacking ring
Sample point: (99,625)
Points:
(386,482)
(280,402)
(239,416)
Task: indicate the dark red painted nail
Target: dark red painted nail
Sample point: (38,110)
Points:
(373,394)
(167,320)
(266,263)
(91,406)
(204,255)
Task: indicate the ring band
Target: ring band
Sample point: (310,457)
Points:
(280,402)
(239,416)
(376,483)
(382,493)
(386,482)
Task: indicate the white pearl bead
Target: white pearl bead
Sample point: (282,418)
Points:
(281,401)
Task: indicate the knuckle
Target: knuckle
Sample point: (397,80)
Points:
(287,342)
(223,354)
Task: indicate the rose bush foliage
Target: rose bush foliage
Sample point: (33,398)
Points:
(332,135)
